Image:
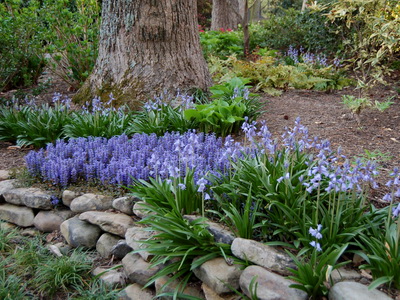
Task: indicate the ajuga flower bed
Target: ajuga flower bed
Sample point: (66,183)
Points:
(118,160)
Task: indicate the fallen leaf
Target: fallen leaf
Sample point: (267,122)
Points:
(394,140)
(13,147)
(366,274)
(318,122)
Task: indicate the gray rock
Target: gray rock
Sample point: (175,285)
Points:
(268,285)
(209,293)
(220,234)
(105,243)
(88,202)
(348,290)
(110,222)
(55,250)
(7,185)
(124,204)
(343,274)
(19,215)
(162,287)
(64,248)
(68,196)
(30,197)
(4,175)
(134,238)
(30,232)
(262,255)
(80,233)
(137,270)
(48,221)
(110,277)
(218,275)
(121,249)
(140,210)
(136,292)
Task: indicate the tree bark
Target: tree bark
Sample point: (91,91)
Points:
(225,14)
(246,32)
(146,47)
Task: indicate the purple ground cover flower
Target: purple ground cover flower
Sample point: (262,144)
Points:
(118,160)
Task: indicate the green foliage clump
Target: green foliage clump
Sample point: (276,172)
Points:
(268,75)
(221,43)
(232,105)
(32,125)
(372,37)
(160,116)
(181,244)
(308,29)
(21,47)
(72,37)
(29,270)
(357,105)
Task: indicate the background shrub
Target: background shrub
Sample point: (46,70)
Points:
(308,29)
(21,47)
(72,37)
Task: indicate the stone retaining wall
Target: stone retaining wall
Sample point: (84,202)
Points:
(109,226)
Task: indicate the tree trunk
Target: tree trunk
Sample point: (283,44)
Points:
(225,14)
(246,32)
(146,47)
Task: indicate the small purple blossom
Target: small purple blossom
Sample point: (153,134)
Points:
(182,186)
(54,200)
(202,185)
(316,245)
(396,210)
(387,197)
(316,232)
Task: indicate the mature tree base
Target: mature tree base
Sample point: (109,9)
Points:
(146,47)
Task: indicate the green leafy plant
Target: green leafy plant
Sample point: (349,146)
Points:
(282,201)
(237,90)
(160,117)
(375,155)
(180,244)
(384,105)
(218,116)
(381,252)
(357,105)
(221,43)
(268,75)
(21,49)
(313,273)
(42,125)
(62,273)
(243,221)
(372,36)
(6,239)
(100,124)
(380,246)
(97,290)
(33,125)
(72,37)
(176,193)
(12,287)
(308,29)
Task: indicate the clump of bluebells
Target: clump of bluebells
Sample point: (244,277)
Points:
(119,160)
(295,56)
(302,182)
